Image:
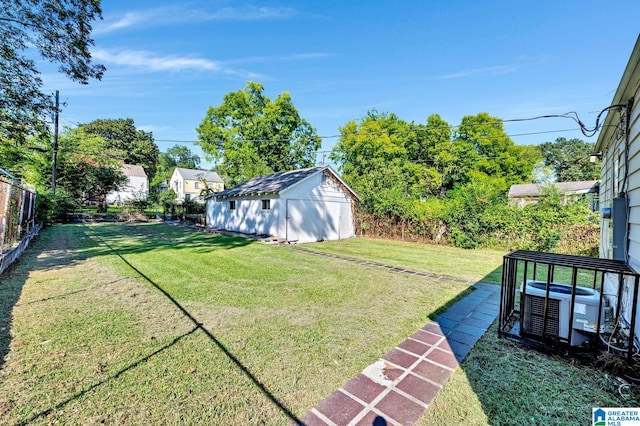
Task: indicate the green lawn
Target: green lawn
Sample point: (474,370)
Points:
(473,265)
(149,323)
(101,326)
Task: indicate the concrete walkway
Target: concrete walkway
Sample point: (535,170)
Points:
(398,388)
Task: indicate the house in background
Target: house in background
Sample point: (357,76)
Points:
(136,188)
(188,183)
(522,194)
(304,205)
(619,146)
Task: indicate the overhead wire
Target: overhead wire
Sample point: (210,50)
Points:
(572,115)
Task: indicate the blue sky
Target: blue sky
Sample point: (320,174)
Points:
(168,61)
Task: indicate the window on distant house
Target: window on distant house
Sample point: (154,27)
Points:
(187,197)
(232,205)
(195,185)
(266,204)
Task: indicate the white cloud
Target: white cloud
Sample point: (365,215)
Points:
(249,13)
(495,70)
(149,61)
(153,128)
(180,15)
(129,19)
(279,58)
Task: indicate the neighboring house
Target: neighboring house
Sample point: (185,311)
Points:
(297,206)
(619,146)
(188,184)
(523,194)
(135,188)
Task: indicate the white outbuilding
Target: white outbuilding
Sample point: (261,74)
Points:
(304,205)
(136,187)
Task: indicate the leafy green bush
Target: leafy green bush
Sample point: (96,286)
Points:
(478,215)
(55,208)
(582,239)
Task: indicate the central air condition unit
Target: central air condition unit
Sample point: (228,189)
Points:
(585,312)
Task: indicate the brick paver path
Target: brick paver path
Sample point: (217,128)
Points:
(398,388)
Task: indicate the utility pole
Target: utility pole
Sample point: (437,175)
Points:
(55,145)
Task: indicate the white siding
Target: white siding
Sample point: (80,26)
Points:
(314,209)
(177,184)
(634,188)
(136,188)
(248,216)
(614,166)
(318,209)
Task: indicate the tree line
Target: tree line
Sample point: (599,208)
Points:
(445,183)
(431,181)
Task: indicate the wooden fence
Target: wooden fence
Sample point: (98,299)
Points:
(17,220)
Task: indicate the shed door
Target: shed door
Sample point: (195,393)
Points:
(314,220)
(294,216)
(346,221)
(305,221)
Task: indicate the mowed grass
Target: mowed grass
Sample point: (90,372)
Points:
(153,324)
(504,383)
(472,265)
(149,323)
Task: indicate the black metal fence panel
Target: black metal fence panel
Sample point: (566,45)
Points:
(554,301)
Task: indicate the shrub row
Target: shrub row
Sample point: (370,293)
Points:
(473,218)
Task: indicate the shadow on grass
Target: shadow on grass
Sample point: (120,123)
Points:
(70,293)
(39,256)
(137,238)
(218,343)
(493,277)
(115,376)
(54,250)
(11,283)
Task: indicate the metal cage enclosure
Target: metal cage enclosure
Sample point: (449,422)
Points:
(551,300)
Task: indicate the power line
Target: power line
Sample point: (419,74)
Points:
(382,133)
(572,115)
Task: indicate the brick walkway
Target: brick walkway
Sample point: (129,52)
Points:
(399,387)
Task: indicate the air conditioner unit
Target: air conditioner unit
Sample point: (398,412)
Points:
(585,312)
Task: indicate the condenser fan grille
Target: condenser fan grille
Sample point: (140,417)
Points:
(534,316)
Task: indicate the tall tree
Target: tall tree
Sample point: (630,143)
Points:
(133,146)
(183,157)
(570,159)
(85,168)
(252,135)
(495,153)
(375,160)
(176,156)
(60,32)
(432,145)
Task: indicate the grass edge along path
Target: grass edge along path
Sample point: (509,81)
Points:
(480,265)
(384,266)
(68,292)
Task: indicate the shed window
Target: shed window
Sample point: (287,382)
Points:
(232,205)
(266,204)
